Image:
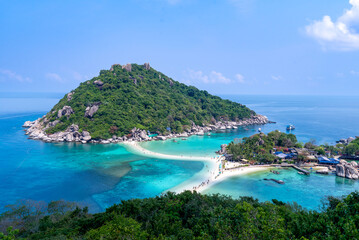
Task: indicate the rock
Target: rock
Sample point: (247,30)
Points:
(69,96)
(69,137)
(340,169)
(113,66)
(161,138)
(86,138)
(223,149)
(127,67)
(53,124)
(85,133)
(65,111)
(98,83)
(72,128)
(91,110)
(324,171)
(347,170)
(28,124)
(143,134)
(147,66)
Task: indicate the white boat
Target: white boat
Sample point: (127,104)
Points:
(290,127)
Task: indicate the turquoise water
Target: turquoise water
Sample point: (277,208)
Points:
(92,175)
(101,175)
(322,118)
(307,191)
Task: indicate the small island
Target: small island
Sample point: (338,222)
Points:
(136,102)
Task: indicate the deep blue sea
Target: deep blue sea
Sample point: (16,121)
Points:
(101,175)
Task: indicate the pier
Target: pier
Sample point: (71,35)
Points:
(306,172)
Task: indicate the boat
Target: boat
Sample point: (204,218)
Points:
(274,180)
(259,129)
(290,127)
(275,172)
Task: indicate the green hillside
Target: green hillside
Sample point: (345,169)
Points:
(138,96)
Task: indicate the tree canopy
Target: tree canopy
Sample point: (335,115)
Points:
(187,216)
(142,98)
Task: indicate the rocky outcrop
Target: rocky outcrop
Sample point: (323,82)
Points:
(113,66)
(147,66)
(53,124)
(65,111)
(223,149)
(347,170)
(69,96)
(36,130)
(127,67)
(91,110)
(98,83)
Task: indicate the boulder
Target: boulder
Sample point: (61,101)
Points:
(69,96)
(65,111)
(147,66)
(28,124)
(69,137)
(53,124)
(127,67)
(223,149)
(340,169)
(347,170)
(143,134)
(86,138)
(98,83)
(161,138)
(91,110)
(72,128)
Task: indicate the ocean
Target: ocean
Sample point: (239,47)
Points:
(101,175)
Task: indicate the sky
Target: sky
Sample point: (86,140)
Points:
(296,47)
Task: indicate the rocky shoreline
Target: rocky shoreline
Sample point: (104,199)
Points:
(37,130)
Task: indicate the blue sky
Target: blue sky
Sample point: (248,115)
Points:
(229,46)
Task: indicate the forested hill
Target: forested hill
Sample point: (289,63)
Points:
(134,95)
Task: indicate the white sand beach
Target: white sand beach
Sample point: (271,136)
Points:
(208,176)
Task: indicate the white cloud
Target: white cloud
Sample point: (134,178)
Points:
(355,73)
(240,78)
(276,78)
(338,35)
(79,77)
(8,74)
(212,77)
(54,76)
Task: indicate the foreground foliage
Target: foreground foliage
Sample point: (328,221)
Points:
(187,216)
(142,98)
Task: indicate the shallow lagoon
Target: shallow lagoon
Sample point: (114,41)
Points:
(307,191)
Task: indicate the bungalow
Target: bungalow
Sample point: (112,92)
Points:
(329,161)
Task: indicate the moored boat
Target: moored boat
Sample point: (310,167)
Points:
(290,127)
